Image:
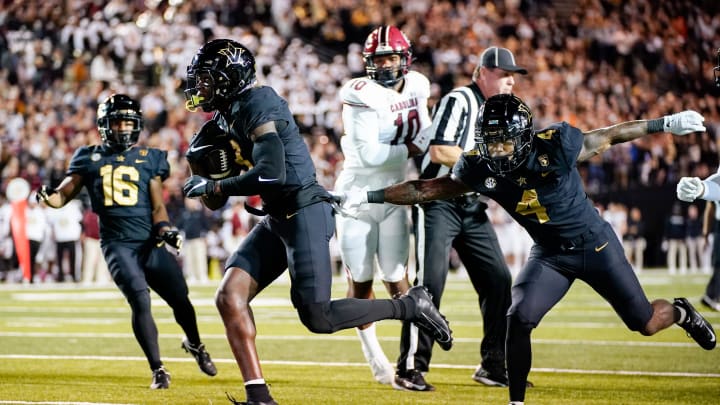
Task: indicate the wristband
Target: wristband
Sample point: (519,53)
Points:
(376,196)
(656,125)
(158,226)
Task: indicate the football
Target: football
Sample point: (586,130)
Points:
(211,155)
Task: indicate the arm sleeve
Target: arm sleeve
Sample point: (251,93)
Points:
(361,126)
(712,188)
(268,172)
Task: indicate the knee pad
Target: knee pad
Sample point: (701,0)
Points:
(315,317)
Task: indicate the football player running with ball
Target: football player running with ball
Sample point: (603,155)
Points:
(125,187)
(534,177)
(386,118)
(296,231)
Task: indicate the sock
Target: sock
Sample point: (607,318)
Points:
(368,338)
(257,391)
(680,314)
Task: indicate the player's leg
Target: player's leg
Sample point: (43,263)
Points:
(307,236)
(259,260)
(611,275)
(125,268)
(358,240)
(435,224)
(480,252)
(537,289)
(165,277)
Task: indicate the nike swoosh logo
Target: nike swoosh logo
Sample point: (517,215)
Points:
(288,216)
(140,161)
(201,184)
(544,174)
(601,247)
(263,179)
(198,148)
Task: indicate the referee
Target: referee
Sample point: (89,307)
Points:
(463,224)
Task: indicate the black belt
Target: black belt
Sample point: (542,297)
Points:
(577,242)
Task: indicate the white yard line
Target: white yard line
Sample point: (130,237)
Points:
(345,364)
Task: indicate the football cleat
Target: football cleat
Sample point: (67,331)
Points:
(235,402)
(429,318)
(202,357)
(160,379)
(494,379)
(411,380)
(485,377)
(696,326)
(710,303)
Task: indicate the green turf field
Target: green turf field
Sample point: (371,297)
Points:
(66,344)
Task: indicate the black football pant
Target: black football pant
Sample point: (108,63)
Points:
(440,225)
(713,287)
(134,269)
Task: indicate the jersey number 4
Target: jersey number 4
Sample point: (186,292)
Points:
(530,205)
(120,185)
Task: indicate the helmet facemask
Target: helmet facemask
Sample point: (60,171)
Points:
(387,40)
(220,70)
(119,121)
(504,123)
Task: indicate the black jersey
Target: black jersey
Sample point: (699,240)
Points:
(119,188)
(545,195)
(257,106)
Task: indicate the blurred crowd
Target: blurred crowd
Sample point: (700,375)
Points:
(591,62)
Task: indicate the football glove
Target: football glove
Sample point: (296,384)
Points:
(689,189)
(173,238)
(352,202)
(684,123)
(44,193)
(198,186)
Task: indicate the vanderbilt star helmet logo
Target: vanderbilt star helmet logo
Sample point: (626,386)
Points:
(234,55)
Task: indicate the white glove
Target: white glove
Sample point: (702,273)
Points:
(352,202)
(684,123)
(689,189)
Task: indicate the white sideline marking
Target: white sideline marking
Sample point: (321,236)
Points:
(344,364)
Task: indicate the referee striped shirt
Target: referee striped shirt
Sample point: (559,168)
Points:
(453,124)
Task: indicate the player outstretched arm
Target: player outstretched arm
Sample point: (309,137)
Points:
(599,140)
(406,193)
(66,191)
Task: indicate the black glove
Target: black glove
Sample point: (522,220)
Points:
(198,186)
(44,193)
(173,238)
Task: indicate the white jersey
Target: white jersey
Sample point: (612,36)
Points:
(378,121)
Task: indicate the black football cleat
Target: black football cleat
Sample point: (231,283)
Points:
(494,378)
(696,326)
(429,318)
(202,357)
(235,402)
(160,379)
(411,380)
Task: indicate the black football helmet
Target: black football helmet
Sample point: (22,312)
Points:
(504,118)
(117,108)
(221,69)
(387,40)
